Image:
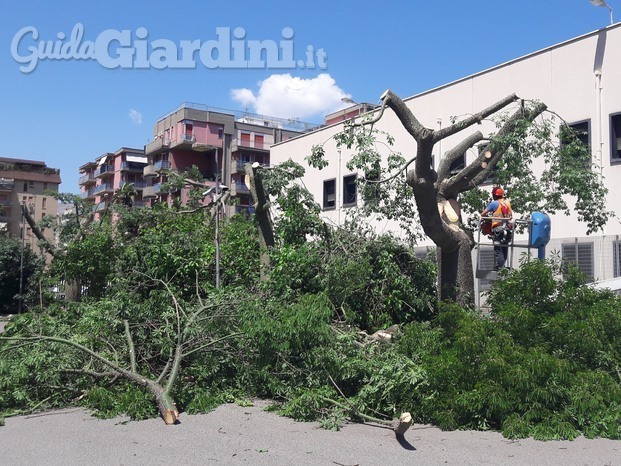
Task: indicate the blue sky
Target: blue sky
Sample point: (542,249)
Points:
(68,112)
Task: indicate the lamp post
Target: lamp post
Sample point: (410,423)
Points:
(197,146)
(605,5)
(21,260)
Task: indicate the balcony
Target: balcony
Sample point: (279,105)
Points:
(161,165)
(148,171)
(88,194)
(4,219)
(139,204)
(103,188)
(86,179)
(241,188)
(6,184)
(137,184)
(156,145)
(248,144)
(132,167)
(185,141)
(150,192)
(104,170)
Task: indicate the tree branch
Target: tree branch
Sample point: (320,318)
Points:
(471,120)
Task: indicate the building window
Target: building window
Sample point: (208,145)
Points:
(579,133)
(616,257)
(245,140)
(581,254)
(458,165)
(615,138)
(371,189)
(25,187)
(188,132)
(220,133)
(44,203)
(45,186)
(329,194)
(349,190)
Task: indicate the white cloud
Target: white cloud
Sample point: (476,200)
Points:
(135,116)
(286,96)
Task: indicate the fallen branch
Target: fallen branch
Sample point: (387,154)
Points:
(399,426)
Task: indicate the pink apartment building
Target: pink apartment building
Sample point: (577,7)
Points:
(100,179)
(216,141)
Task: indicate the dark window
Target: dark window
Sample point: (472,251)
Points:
(615,137)
(349,190)
(458,164)
(329,194)
(581,254)
(578,133)
(616,257)
(220,133)
(371,190)
(25,187)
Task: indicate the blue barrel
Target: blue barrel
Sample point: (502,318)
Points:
(540,232)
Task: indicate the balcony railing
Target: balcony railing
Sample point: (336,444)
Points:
(6,184)
(137,184)
(152,191)
(132,166)
(87,194)
(241,187)
(5,202)
(149,170)
(161,165)
(261,145)
(156,145)
(86,178)
(102,188)
(4,219)
(104,169)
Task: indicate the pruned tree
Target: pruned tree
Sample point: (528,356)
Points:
(439,195)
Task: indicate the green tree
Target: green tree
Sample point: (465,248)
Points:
(12,270)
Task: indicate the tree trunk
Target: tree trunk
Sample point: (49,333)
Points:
(262,216)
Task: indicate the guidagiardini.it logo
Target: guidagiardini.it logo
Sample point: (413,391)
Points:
(129,49)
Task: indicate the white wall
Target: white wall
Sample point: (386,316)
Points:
(563,76)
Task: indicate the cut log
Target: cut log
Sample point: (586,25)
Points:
(403,424)
(170,417)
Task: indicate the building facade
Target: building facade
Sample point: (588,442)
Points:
(578,79)
(218,143)
(28,183)
(100,179)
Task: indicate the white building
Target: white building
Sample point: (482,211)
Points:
(579,79)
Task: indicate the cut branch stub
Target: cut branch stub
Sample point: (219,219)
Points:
(403,424)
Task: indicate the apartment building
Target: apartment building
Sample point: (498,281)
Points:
(26,182)
(579,79)
(218,143)
(100,179)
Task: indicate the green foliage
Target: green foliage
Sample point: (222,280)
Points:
(10,271)
(377,282)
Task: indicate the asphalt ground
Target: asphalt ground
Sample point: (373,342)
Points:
(232,434)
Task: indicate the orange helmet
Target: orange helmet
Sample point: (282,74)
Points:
(497,191)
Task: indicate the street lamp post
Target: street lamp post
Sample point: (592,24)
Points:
(21,261)
(605,5)
(205,148)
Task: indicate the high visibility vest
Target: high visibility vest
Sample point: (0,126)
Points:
(503,211)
